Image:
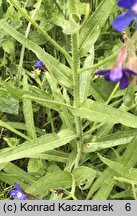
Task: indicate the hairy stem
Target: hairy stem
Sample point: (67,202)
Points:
(73,7)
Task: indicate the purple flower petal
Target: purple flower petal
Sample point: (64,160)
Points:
(18,187)
(14,193)
(134,8)
(18,195)
(122,21)
(126,70)
(23,197)
(102,72)
(116,74)
(126,3)
(38,64)
(106,77)
(124,81)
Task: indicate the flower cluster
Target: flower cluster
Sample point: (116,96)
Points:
(119,73)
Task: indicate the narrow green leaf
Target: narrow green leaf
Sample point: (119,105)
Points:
(98,183)
(92,28)
(110,141)
(5,125)
(129,158)
(53,155)
(28,111)
(22,126)
(115,166)
(105,189)
(59,179)
(99,112)
(36,146)
(120,169)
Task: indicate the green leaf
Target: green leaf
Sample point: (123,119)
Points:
(36,146)
(2,165)
(92,28)
(124,194)
(115,166)
(36,166)
(12,173)
(96,93)
(8,104)
(14,170)
(84,77)
(8,47)
(110,141)
(69,26)
(99,112)
(129,158)
(5,125)
(105,190)
(28,110)
(129,96)
(22,126)
(121,170)
(60,179)
(105,176)
(84,176)
(52,155)
(39,96)
(37,38)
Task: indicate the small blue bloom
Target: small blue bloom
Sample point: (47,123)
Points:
(117,74)
(18,194)
(38,64)
(123,21)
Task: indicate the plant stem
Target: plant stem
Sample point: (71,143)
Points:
(73,7)
(112,93)
(75,67)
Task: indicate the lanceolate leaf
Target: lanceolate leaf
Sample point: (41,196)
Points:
(99,112)
(91,29)
(59,179)
(42,144)
(110,141)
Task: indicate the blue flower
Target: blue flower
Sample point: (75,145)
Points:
(18,194)
(117,74)
(124,20)
(38,64)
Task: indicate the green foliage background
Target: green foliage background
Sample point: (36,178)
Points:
(64,128)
